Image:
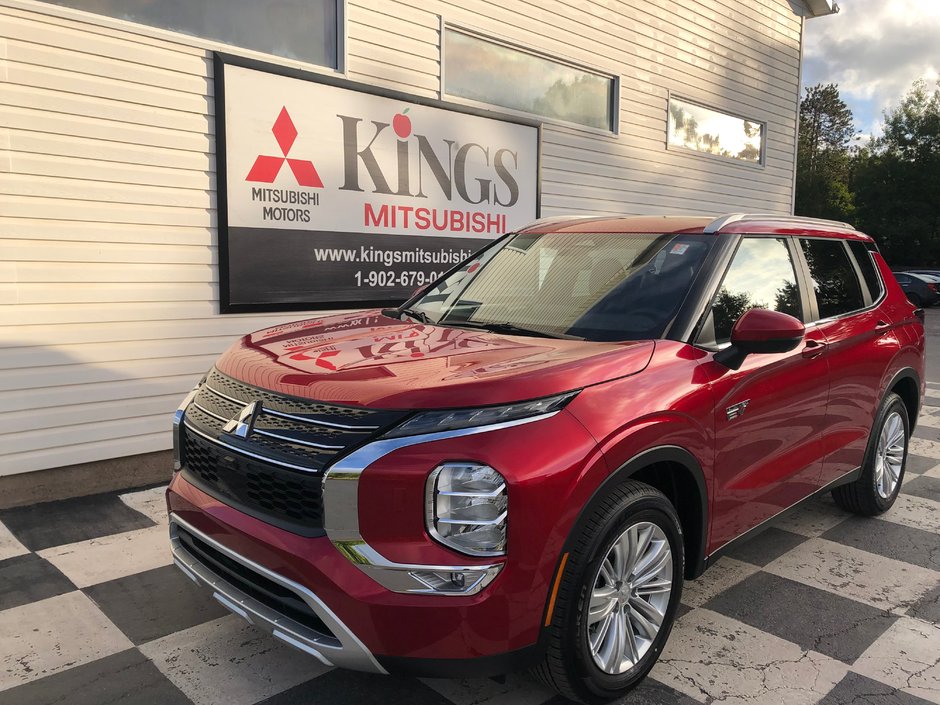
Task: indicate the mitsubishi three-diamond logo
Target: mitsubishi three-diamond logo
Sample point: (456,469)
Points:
(266,168)
(243,424)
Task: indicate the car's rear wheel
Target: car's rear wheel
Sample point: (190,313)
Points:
(915,299)
(617,596)
(885,458)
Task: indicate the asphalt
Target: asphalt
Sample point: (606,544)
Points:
(933,343)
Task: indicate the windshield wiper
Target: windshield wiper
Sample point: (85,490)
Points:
(511,329)
(494,327)
(397,313)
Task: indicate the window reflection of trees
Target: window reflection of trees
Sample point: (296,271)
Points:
(728,308)
(759,265)
(582,99)
(788,300)
(837,288)
(489,72)
(686,129)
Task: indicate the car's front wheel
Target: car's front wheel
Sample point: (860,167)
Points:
(883,470)
(617,596)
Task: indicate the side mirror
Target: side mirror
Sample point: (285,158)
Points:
(760,331)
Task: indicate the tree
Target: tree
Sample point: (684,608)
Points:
(691,132)
(912,130)
(787,299)
(567,100)
(897,180)
(728,308)
(749,153)
(823,154)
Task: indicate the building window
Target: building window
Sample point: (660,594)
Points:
(705,130)
(488,72)
(306,30)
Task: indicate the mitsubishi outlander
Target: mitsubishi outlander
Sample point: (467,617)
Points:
(519,466)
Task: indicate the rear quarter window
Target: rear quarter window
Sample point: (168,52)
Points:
(867,265)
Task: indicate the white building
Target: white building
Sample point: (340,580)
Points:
(109,221)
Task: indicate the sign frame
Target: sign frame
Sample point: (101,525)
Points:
(219,61)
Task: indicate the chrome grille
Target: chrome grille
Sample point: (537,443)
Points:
(222,406)
(270,422)
(289,405)
(273,472)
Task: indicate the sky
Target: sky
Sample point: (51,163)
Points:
(874,50)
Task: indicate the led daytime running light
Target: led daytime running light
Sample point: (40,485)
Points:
(451,419)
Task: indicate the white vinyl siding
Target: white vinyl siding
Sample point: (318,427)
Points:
(741,59)
(108,248)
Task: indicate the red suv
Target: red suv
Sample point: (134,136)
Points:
(519,466)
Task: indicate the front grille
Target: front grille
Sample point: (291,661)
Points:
(253,584)
(292,405)
(289,499)
(274,472)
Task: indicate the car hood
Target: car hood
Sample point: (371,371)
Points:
(369,359)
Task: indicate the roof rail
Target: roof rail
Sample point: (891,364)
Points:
(716,225)
(559,219)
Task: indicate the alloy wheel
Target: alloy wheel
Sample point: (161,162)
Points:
(890,455)
(629,598)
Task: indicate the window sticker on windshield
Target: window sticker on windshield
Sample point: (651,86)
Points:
(678,249)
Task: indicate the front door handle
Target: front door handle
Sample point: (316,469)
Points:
(814,348)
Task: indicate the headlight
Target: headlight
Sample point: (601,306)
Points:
(448,420)
(466,508)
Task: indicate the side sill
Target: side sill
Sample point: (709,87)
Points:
(849,477)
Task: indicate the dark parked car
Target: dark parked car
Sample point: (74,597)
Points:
(929,272)
(920,291)
(521,464)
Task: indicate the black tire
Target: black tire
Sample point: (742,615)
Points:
(568,666)
(915,299)
(863,496)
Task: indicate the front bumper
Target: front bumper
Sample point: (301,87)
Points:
(334,645)
(367,628)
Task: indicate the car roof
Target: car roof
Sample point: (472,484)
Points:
(693,224)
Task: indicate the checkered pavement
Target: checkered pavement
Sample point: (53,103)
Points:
(823,608)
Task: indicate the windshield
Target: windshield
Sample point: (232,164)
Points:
(600,287)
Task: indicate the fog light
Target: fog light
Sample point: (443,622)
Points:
(467,507)
(463,582)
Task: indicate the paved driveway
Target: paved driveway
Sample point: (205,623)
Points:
(824,608)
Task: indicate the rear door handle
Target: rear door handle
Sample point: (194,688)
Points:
(881,325)
(814,348)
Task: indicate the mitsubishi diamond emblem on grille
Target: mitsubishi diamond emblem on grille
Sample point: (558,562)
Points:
(242,424)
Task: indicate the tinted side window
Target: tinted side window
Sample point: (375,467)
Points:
(867,265)
(837,287)
(761,275)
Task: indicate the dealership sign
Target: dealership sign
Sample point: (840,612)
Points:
(334,194)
